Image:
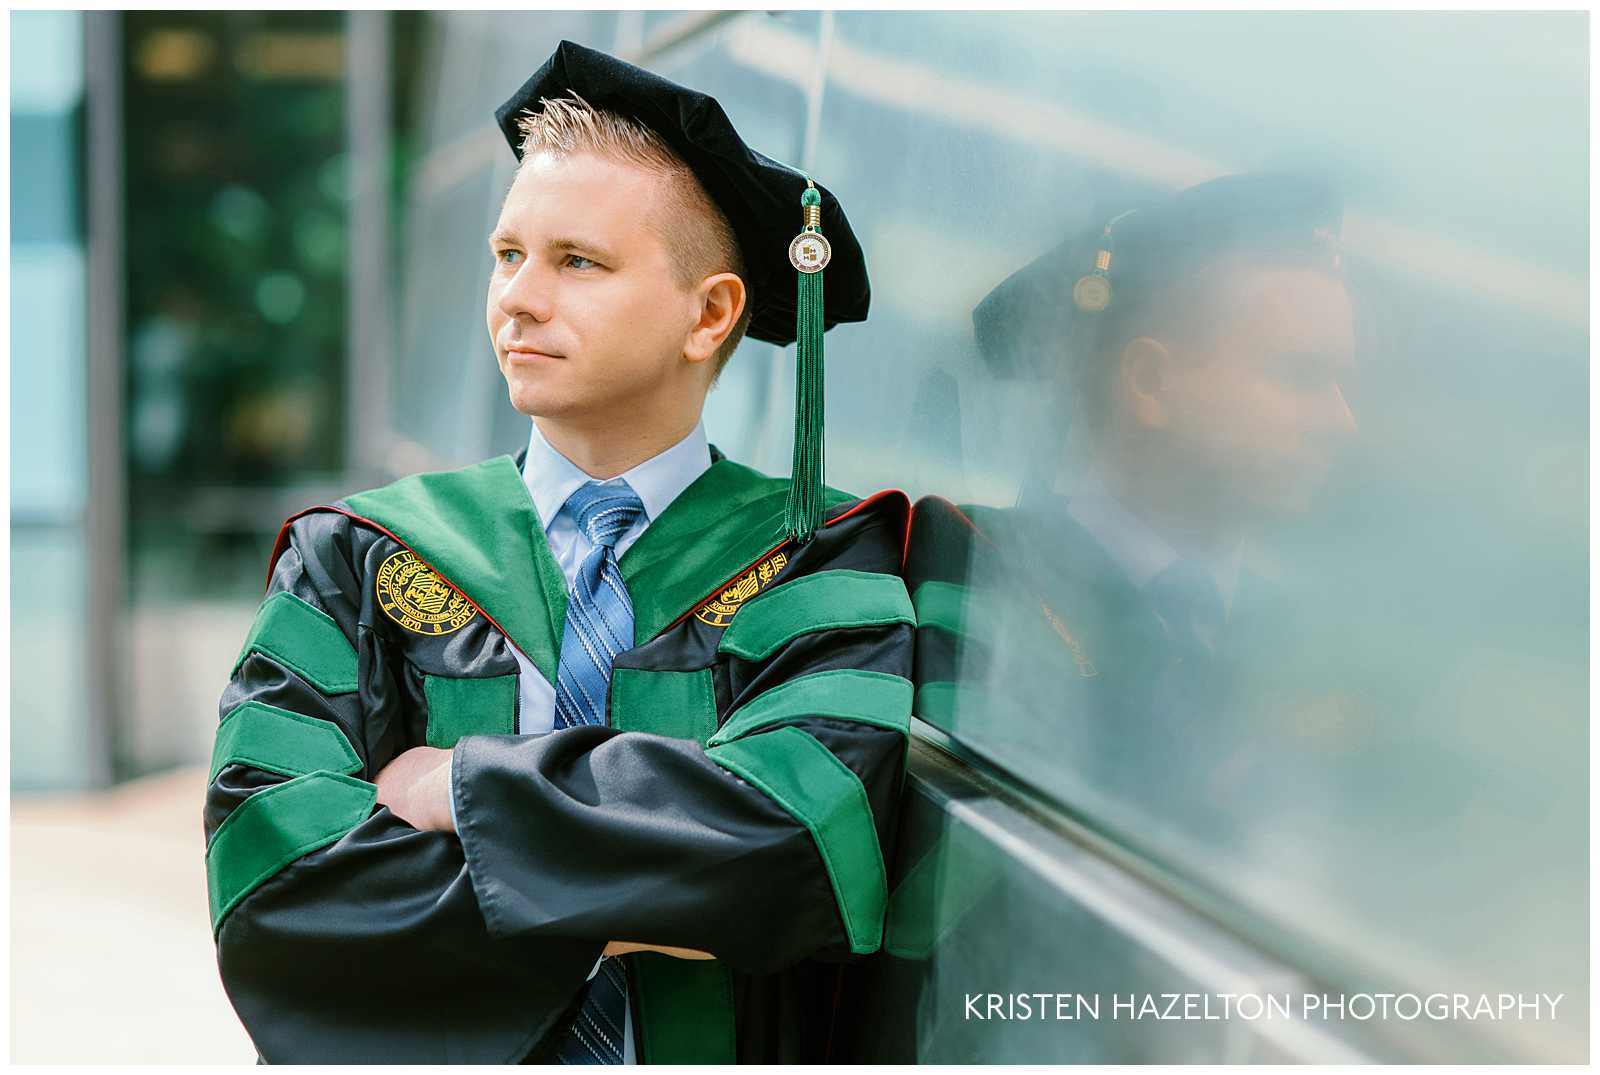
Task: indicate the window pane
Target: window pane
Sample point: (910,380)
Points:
(235,280)
(1274,570)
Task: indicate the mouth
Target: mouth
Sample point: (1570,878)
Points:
(527,356)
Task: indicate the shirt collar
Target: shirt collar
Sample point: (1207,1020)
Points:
(1138,550)
(551,477)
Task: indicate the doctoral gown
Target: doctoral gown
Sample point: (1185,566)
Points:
(740,799)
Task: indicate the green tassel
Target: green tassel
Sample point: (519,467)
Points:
(804,514)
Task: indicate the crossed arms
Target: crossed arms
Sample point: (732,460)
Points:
(353,924)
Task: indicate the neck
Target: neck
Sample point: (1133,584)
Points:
(604,453)
(1182,513)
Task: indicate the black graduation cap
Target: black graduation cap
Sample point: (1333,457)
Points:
(1093,276)
(787,225)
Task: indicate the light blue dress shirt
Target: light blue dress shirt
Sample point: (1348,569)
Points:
(551,478)
(1139,551)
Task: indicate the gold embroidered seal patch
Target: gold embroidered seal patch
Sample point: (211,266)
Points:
(413,596)
(718,612)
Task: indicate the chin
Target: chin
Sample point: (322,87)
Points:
(531,395)
(534,404)
(544,401)
(528,399)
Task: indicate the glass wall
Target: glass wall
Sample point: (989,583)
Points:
(236,278)
(197,369)
(238,185)
(1260,557)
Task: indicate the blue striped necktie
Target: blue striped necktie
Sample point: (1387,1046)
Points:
(599,612)
(599,626)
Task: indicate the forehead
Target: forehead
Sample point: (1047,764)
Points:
(580,191)
(1266,310)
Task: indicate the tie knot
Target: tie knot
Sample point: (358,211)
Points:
(604,512)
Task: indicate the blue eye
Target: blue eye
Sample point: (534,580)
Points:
(588,263)
(505,256)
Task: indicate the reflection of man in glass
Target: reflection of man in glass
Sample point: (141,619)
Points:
(1193,350)
(1106,639)
(1206,391)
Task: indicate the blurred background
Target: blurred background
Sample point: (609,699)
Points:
(247,275)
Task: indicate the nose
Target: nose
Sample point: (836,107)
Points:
(526,293)
(1335,419)
(1341,419)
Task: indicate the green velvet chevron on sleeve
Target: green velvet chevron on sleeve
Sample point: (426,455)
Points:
(305,640)
(282,742)
(821,793)
(822,601)
(845,693)
(277,825)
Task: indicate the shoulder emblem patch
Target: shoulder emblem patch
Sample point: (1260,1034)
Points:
(413,596)
(718,612)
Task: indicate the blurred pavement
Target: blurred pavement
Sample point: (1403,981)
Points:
(111,952)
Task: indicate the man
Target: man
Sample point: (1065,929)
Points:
(1106,634)
(593,758)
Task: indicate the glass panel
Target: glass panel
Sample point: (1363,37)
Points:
(235,284)
(1009,943)
(1272,571)
(236,268)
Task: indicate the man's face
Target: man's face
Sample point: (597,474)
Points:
(1256,411)
(587,317)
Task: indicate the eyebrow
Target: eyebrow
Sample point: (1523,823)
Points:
(565,244)
(559,244)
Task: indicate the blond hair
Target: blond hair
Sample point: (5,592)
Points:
(568,125)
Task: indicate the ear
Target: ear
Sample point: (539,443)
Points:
(720,300)
(1142,382)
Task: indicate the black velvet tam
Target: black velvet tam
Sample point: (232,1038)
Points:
(1030,319)
(760,196)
